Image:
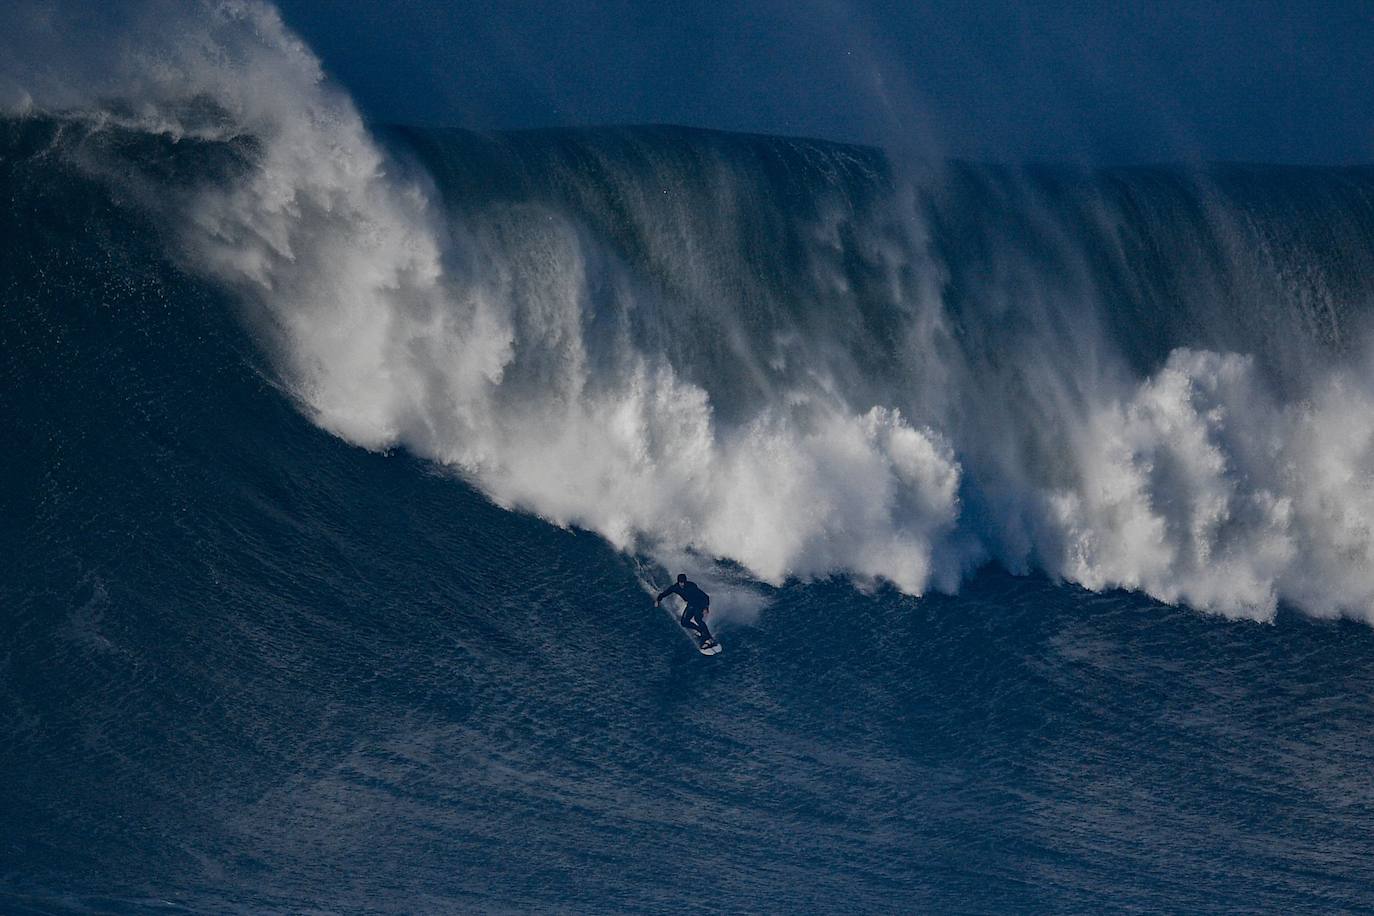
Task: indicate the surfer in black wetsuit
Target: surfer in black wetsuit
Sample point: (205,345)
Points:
(698,606)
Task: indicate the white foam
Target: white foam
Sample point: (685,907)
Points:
(1203,489)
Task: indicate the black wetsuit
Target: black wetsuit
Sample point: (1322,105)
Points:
(697,603)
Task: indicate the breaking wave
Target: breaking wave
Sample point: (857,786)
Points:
(794,358)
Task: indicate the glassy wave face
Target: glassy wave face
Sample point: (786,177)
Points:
(933,437)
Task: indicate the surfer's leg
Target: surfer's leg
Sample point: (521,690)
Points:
(691,620)
(699,622)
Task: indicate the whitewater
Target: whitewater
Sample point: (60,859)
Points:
(337,425)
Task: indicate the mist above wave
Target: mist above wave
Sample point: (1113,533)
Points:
(779,352)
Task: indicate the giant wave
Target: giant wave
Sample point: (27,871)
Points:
(789,357)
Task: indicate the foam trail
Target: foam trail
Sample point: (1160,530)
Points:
(772,354)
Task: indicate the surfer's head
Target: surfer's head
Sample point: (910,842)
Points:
(681,578)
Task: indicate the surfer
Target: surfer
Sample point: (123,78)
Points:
(698,606)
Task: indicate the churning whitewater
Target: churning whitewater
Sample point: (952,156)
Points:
(789,357)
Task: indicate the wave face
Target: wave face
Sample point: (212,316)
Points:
(788,358)
(797,360)
(271,640)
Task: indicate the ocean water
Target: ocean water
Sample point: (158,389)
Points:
(1036,505)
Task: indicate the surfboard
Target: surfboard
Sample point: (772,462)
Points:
(714,650)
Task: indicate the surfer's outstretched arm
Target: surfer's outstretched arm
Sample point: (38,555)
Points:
(670,590)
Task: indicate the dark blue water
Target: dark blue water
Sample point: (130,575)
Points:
(248,666)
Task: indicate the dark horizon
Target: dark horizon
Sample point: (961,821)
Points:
(947,159)
(1178,82)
